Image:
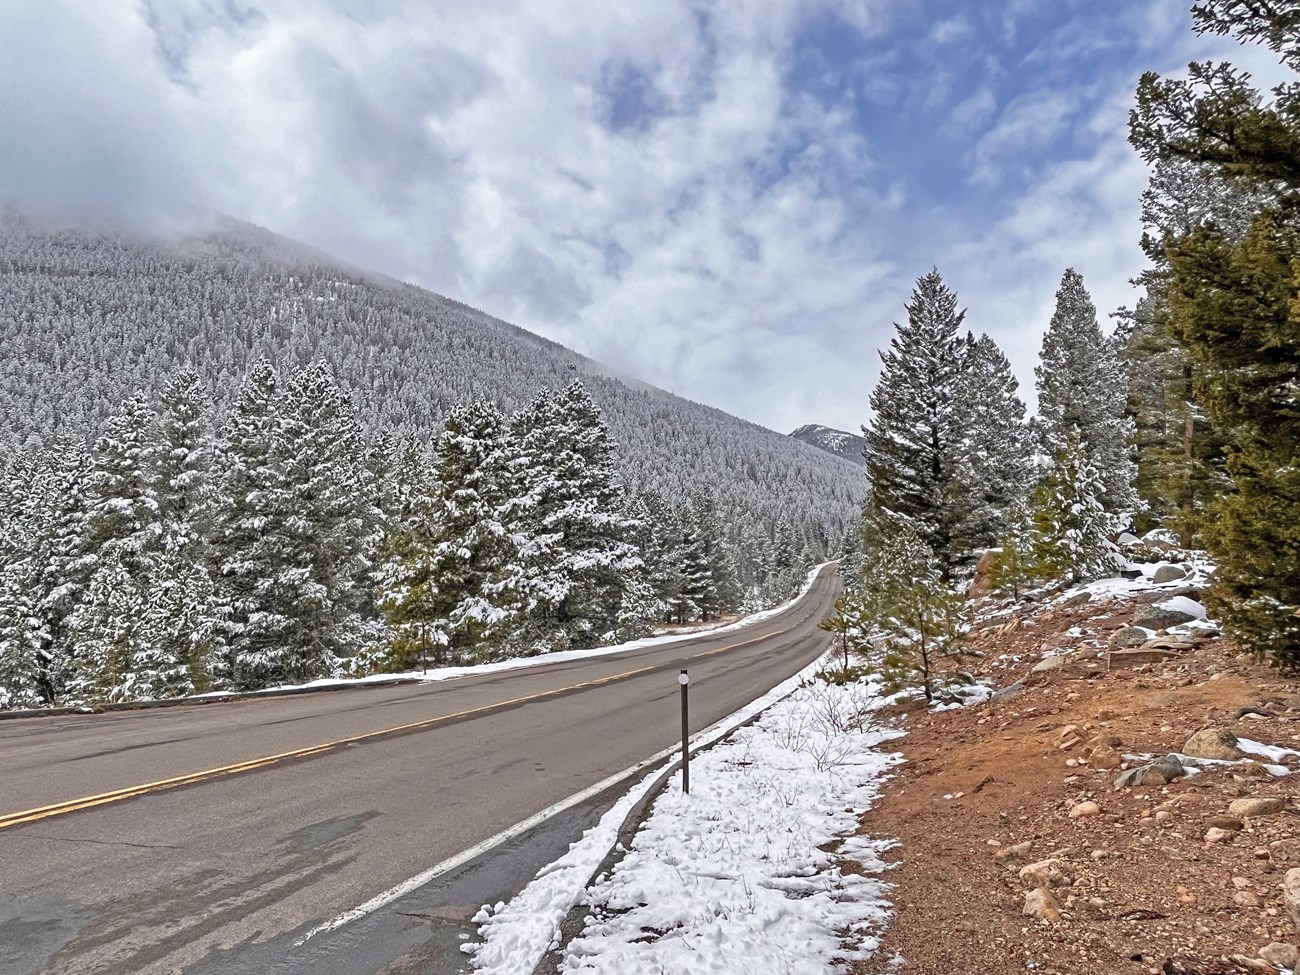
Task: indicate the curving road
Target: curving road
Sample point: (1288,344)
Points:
(216,838)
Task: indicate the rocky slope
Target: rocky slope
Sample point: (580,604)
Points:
(1017,850)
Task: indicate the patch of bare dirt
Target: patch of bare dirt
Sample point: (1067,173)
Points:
(1136,886)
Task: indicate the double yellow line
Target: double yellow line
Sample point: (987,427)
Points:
(104,798)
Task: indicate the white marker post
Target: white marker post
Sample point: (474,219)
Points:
(685,681)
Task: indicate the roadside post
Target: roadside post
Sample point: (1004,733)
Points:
(684,679)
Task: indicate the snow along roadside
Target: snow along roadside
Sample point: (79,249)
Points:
(435,673)
(733,876)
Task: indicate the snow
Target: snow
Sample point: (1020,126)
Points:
(733,877)
(1274,753)
(516,663)
(1183,604)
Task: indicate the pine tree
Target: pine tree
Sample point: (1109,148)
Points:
(183,463)
(124,517)
(914,436)
(1070,520)
(907,615)
(1230,290)
(574,512)
(1013,569)
(995,456)
(1082,394)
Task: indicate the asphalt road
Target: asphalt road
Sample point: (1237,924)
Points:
(225,872)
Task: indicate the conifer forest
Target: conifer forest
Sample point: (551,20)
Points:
(228,462)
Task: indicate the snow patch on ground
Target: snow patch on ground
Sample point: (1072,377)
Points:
(1183,604)
(733,877)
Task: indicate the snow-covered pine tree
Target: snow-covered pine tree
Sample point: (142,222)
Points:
(124,518)
(1070,519)
(915,431)
(472,582)
(723,591)
(576,522)
(183,462)
(252,556)
(1082,394)
(104,626)
(406,589)
(332,524)
(995,468)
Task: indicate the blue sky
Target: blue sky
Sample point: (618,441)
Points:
(728,199)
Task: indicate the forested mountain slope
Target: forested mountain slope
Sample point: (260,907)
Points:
(86,316)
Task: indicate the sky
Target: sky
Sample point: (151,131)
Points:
(731,200)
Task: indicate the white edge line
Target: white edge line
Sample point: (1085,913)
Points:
(717,730)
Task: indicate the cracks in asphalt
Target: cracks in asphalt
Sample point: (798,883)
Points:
(82,839)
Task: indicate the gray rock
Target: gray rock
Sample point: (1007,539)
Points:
(1136,656)
(1078,599)
(1048,664)
(1281,954)
(1157,773)
(1168,573)
(1041,903)
(1216,743)
(1011,690)
(1291,895)
(1250,808)
(1130,636)
(1159,618)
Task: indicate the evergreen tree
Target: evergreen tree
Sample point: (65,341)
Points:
(1082,394)
(579,554)
(1231,307)
(1013,569)
(124,517)
(1070,520)
(995,456)
(907,615)
(914,437)
(184,465)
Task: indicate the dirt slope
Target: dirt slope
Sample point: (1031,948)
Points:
(1136,886)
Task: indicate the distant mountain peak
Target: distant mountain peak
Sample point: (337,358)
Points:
(837,442)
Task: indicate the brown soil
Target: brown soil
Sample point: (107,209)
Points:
(1149,893)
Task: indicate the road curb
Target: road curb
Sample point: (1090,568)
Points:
(575,920)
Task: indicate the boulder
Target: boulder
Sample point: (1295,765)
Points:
(1157,773)
(982,584)
(1168,572)
(1009,854)
(1281,954)
(1130,636)
(1230,823)
(1215,743)
(1137,656)
(1160,617)
(1217,835)
(1250,808)
(1077,600)
(1048,664)
(1291,895)
(1047,873)
(1105,757)
(1042,904)
(1085,810)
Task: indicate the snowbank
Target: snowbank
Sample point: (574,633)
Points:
(733,877)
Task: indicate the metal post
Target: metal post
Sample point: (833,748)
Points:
(685,680)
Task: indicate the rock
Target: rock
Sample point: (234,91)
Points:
(1216,743)
(1130,636)
(1291,895)
(1284,851)
(1009,854)
(1105,757)
(1047,873)
(982,584)
(1168,572)
(1084,810)
(1042,903)
(1077,600)
(1216,835)
(1244,898)
(1160,538)
(1157,773)
(1011,690)
(1160,617)
(1138,656)
(1229,823)
(1281,954)
(1249,808)
(1048,664)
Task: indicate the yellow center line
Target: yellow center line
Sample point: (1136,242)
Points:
(117,795)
